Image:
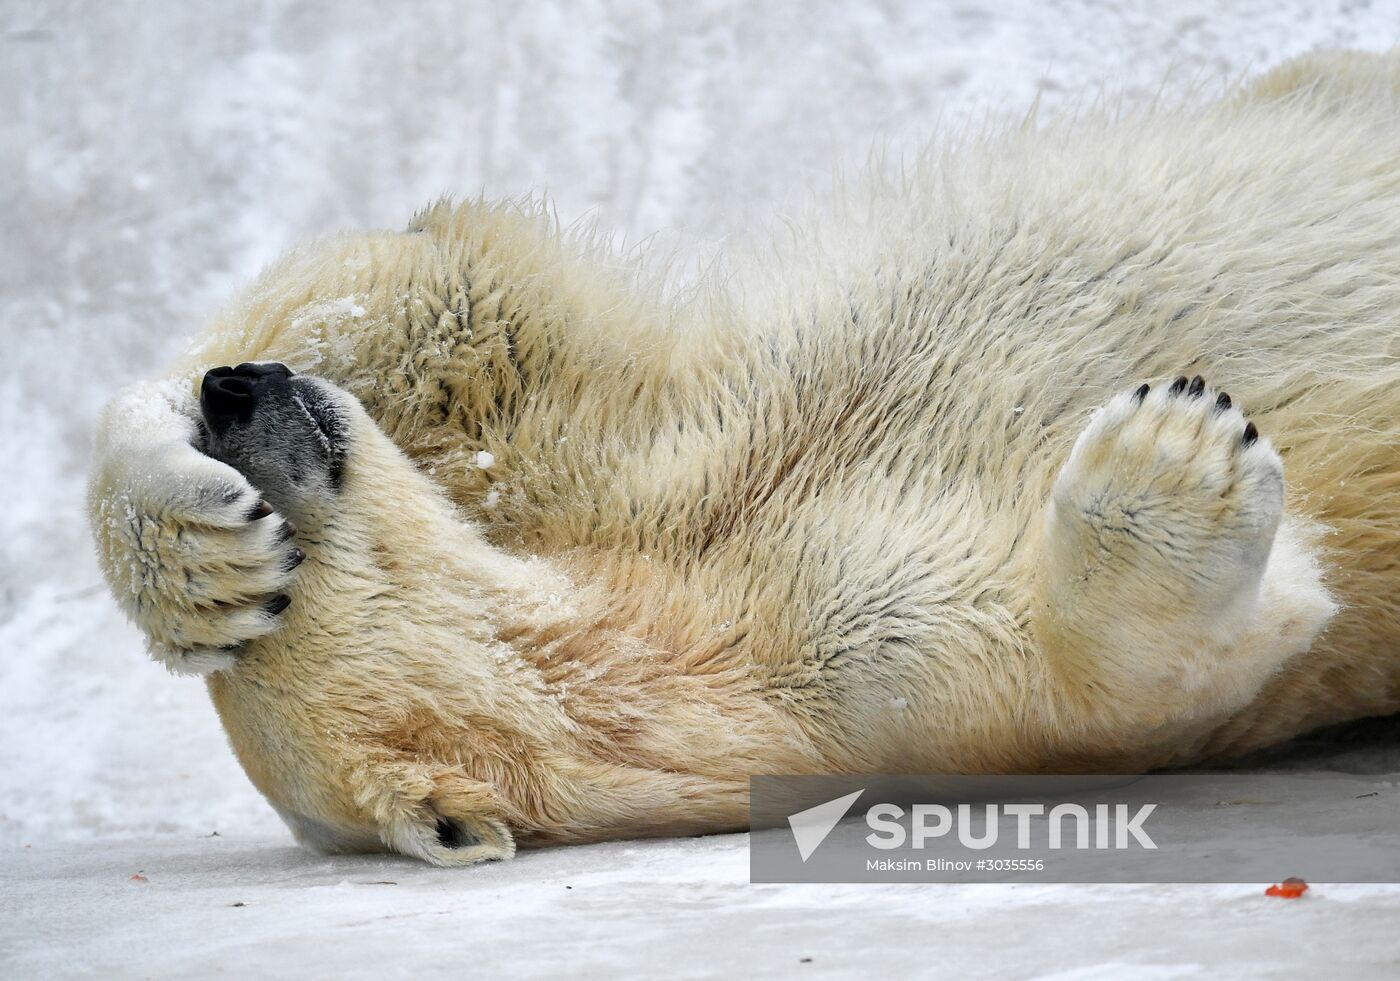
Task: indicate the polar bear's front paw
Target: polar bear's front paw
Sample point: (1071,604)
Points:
(205,582)
(1174,488)
(194,555)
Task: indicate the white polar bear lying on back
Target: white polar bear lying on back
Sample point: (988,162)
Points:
(482,542)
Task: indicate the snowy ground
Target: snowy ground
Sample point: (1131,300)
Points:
(676,909)
(151,160)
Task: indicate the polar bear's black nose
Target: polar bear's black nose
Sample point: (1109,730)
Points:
(229,394)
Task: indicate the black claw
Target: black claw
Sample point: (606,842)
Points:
(295,559)
(260,510)
(1222,401)
(288,530)
(1178,386)
(1141,393)
(1198,385)
(277,604)
(1251,433)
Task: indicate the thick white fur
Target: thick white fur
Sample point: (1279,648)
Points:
(173,526)
(884,499)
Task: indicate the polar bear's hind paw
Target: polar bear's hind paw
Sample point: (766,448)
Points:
(1178,473)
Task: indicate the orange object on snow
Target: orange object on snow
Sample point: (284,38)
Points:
(1289,889)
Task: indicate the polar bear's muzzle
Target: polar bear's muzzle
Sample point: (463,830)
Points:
(229,395)
(283,432)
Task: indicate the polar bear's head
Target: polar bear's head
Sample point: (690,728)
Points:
(289,435)
(320,460)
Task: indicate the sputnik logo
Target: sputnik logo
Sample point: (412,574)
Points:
(810,827)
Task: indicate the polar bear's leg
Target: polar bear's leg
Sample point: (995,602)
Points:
(195,557)
(1169,581)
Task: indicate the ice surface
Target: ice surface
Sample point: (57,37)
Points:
(657,909)
(153,159)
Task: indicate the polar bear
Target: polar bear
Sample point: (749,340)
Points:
(480,539)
